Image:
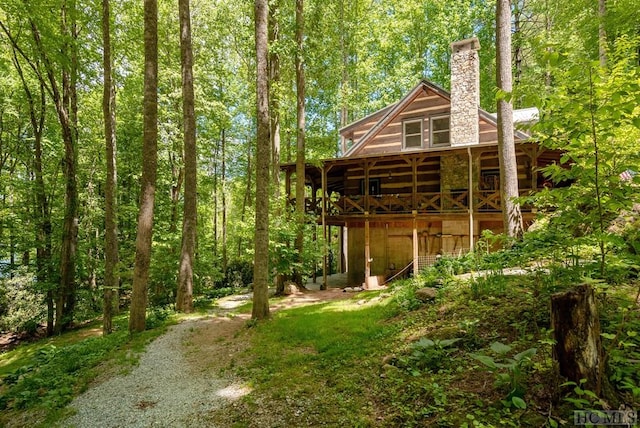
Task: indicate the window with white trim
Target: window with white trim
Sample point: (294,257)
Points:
(412,134)
(439,131)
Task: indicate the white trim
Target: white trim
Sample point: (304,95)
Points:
(431,119)
(419,120)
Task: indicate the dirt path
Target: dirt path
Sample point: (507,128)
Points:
(162,392)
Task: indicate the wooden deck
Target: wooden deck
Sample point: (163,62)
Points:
(405,203)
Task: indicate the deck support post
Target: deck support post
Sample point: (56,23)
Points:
(470,200)
(415,243)
(325,244)
(367,250)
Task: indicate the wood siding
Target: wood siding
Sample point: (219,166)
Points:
(427,104)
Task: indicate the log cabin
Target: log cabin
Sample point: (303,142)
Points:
(419,178)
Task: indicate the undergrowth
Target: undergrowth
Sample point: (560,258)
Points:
(480,354)
(43,377)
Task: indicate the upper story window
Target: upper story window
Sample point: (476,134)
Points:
(412,134)
(439,131)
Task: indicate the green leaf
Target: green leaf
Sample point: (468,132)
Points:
(486,360)
(448,342)
(518,402)
(609,336)
(500,348)
(527,354)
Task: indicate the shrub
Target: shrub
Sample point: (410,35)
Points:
(21,306)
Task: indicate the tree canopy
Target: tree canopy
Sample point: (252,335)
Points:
(358,57)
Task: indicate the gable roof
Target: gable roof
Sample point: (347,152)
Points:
(392,111)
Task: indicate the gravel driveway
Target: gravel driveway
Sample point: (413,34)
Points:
(183,376)
(162,391)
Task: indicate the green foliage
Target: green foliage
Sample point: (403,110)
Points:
(621,341)
(509,371)
(581,397)
(591,114)
(239,274)
(54,374)
(429,355)
(21,306)
(47,375)
(157,316)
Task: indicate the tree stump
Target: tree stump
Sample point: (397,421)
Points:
(576,326)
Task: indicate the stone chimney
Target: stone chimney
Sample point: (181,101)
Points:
(465,92)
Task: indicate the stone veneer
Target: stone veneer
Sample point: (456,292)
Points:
(454,172)
(465,92)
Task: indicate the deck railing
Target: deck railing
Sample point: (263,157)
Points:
(454,201)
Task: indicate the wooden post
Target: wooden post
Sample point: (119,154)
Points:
(576,327)
(342,259)
(470,200)
(366,187)
(414,184)
(367,251)
(415,243)
(323,286)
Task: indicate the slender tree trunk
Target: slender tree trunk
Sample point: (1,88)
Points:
(517,54)
(274,110)
(223,194)
(111,259)
(300,143)
(137,321)
(274,96)
(344,78)
(177,173)
(512,217)
(214,196)
(263,156)
(246,201)
(64,99)
(184,299)
(37,116)
(602,33)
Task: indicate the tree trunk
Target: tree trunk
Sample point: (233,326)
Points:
(246,201)
(149,169)
(111,275)
(223,194)
(37,115)
(274,111)
(300,146)
(274,97)
(576,327)
(65,102)
(214,196)
(602,33)
(512,217)
(184,298)
(261,256)
(177,174)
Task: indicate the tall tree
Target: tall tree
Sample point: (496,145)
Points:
(137,321)
(512,217)
(184,298)
(64,95)
(300,142)
(274,94)
(111,276)
(263,156)
(37,115)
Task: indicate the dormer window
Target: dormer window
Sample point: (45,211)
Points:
(439,131)
(412,134)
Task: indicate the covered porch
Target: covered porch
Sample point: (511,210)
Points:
(435,201)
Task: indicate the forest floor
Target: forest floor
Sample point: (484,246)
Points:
(182,378)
